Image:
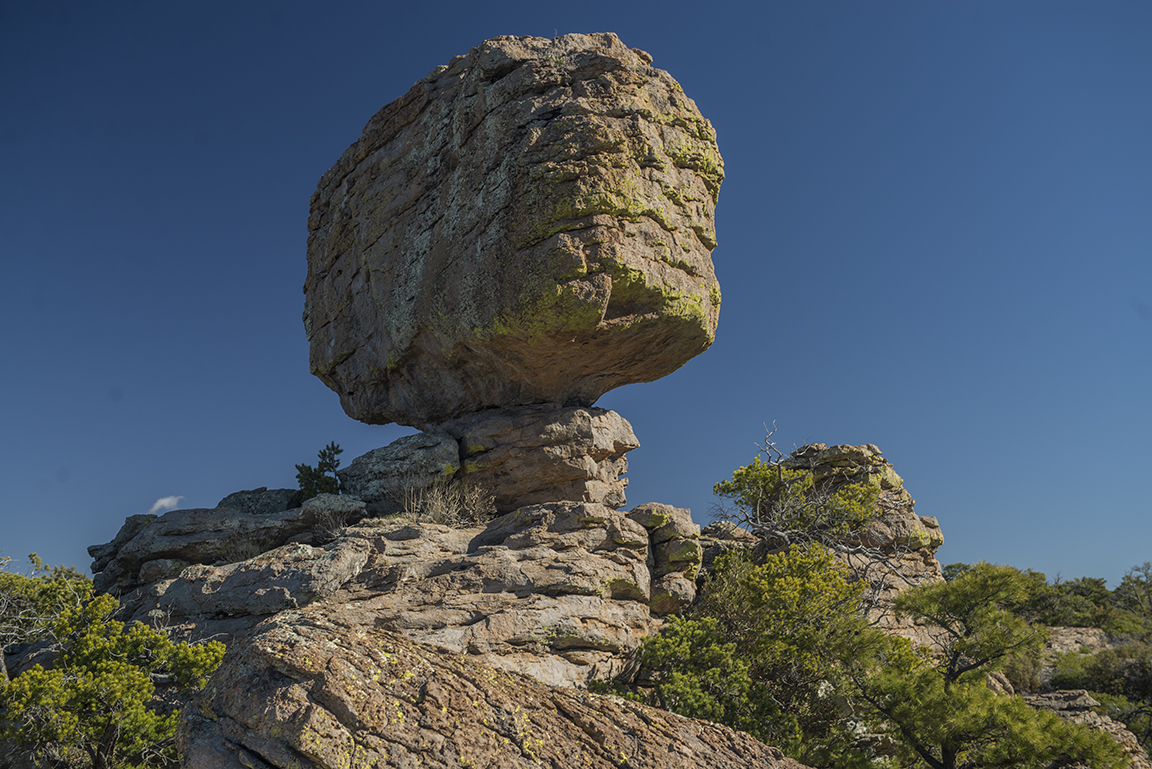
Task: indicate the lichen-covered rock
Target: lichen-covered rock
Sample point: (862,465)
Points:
(531,223)
(382,477)
(675,555)
(317,689)
(544,453)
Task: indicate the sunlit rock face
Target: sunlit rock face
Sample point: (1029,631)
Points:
(531,223)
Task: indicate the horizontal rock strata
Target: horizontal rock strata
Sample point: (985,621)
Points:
(564,591)
(148,548)
(531,223)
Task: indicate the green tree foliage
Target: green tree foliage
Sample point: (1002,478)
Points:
(761,652)
(91,708)
(1135,593)
(31,604)
(1081,602)
(1119,677)
(941,709)
(787,506)
(321,479)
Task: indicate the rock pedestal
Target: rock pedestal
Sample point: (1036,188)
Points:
(531,223)
(521,456)
(537,454)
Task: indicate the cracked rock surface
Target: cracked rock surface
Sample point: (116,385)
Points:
(312,689)
(563,592)
(531,223)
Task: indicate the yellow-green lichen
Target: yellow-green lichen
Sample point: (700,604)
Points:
(706,236)
(327,368)
(705,161)
(558,309)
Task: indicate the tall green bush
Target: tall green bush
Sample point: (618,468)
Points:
(761,652)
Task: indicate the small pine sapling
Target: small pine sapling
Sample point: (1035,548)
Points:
(321,479)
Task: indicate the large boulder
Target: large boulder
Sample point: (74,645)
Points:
(318,689)
(531,223)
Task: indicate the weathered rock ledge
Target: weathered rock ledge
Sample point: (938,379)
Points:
(317,689)
(563,591)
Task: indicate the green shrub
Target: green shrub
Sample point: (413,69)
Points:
(31,604)
(760,653)
(92,707)
(1120,678)
(787,507)
(941,711)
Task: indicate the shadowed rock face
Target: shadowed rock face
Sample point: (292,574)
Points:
(532,223)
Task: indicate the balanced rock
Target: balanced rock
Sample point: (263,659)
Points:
(531,223)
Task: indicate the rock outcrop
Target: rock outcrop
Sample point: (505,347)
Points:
(1076,705)
(906,542)
(150,548)
(531,223)
(563,591)
(319,689)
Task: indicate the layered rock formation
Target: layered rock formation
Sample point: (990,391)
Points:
(530,224)
(149,548)
(563,591)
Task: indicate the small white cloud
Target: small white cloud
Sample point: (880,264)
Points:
(164,504)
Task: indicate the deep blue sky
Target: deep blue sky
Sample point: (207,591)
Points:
(935,236)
